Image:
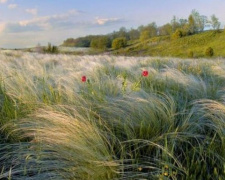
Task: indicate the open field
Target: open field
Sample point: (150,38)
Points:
(116,125)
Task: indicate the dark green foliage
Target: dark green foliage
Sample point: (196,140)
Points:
(51,49)
(101,42)
(79,42)
(209,52)
(119,43)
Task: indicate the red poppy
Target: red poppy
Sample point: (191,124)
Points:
(145,73)
(83,79)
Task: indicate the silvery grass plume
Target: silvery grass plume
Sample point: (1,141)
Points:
(116,124)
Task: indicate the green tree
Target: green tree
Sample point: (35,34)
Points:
(134,34)
(119,43)
(123,33)
(165,30)
(51,49)
(175,24)
(101,42)
(215,22)
(199,20)
(144,35)
(183,22)
(191,24)
(152,28)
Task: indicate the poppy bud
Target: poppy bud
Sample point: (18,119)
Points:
(83,79)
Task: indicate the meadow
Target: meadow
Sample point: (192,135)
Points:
(99,117)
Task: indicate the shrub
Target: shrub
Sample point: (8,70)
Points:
(119,43)
(209,52)
(190,54)
(178,34)
(51,49)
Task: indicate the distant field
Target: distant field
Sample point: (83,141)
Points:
(101,117)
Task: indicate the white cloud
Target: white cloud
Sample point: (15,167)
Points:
(32,11)
(103,21)
(3,1)
(45,21)
(12,6)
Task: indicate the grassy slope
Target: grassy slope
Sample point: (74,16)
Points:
(164,46)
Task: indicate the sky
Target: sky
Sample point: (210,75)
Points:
(26,23)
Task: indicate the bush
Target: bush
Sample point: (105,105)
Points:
(119,43)
(209,52)
(178,34)
(190,54)
(51,49)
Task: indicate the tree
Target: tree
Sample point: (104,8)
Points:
(183,22)
(51,49)
(152,28)
(175,24)
(199,20)
(145,35)
(215,22)
(204,21)
(94,43)
(134,34)
(191,24)
(119,43)
(101,42)
(165,30)
(123,33)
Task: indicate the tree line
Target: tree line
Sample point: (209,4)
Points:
(176,28)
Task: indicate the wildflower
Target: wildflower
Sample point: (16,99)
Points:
(83,79)
(140,169)
(166,174)
(145,73)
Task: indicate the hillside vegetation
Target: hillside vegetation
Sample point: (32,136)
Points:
(166,46)
(101,117)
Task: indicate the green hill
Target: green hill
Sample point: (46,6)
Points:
(166,46)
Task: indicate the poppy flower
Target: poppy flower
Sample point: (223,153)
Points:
(145,73)
(83,79)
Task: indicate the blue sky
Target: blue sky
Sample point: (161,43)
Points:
(25,23)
